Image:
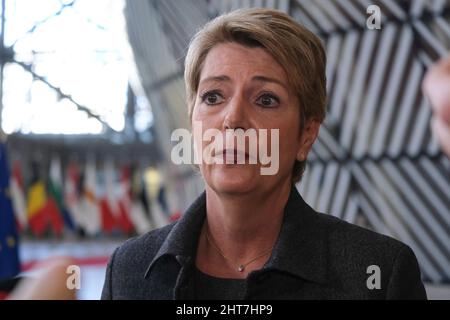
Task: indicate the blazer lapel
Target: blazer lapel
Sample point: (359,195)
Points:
(301,248)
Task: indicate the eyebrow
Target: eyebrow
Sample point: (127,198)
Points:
(268,79)
(224,78)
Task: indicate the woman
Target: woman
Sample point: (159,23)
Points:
(251,235)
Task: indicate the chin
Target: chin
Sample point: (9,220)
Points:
(232,179)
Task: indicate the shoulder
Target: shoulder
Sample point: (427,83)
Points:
(354,253)
(358,244)
(129,262)
(353,237)
(140,251)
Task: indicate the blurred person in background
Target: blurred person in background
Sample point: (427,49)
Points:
(249,235)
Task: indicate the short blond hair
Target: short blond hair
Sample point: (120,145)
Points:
(299,52)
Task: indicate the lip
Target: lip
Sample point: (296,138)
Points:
(233,154)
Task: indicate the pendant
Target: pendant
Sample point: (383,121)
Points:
(241,268)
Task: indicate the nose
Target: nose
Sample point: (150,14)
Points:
(236,114)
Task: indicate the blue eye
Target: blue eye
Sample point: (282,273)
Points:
(212,98)
(268,100)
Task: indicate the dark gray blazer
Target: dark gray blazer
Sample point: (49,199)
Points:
(317,256)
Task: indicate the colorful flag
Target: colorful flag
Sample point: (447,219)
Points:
(55,191)
(9,240)
(139,214)
(108,217)
(18,196)
(42,211)
(55,220)
(139,217)
(72,195)
(124,201)
(89,201)
(36,206)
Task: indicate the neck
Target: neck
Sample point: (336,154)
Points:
(244,226)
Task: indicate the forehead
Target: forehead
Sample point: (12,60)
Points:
(233,59)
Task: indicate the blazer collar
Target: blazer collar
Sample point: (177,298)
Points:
(301,248)
(181,242)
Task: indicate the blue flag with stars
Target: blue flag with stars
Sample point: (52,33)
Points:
(9,251)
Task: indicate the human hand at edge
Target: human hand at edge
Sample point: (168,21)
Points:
(436,86)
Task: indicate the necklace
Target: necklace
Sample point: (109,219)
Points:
(241,267)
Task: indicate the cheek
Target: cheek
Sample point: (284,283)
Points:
(199,125)
(201,113)
(202,131)
(289,142)
(197,134)
(290,139)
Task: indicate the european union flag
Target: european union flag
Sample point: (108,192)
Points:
(9,251)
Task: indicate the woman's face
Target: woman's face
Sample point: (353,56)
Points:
(245,88)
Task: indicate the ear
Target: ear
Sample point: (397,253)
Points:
(307,138)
